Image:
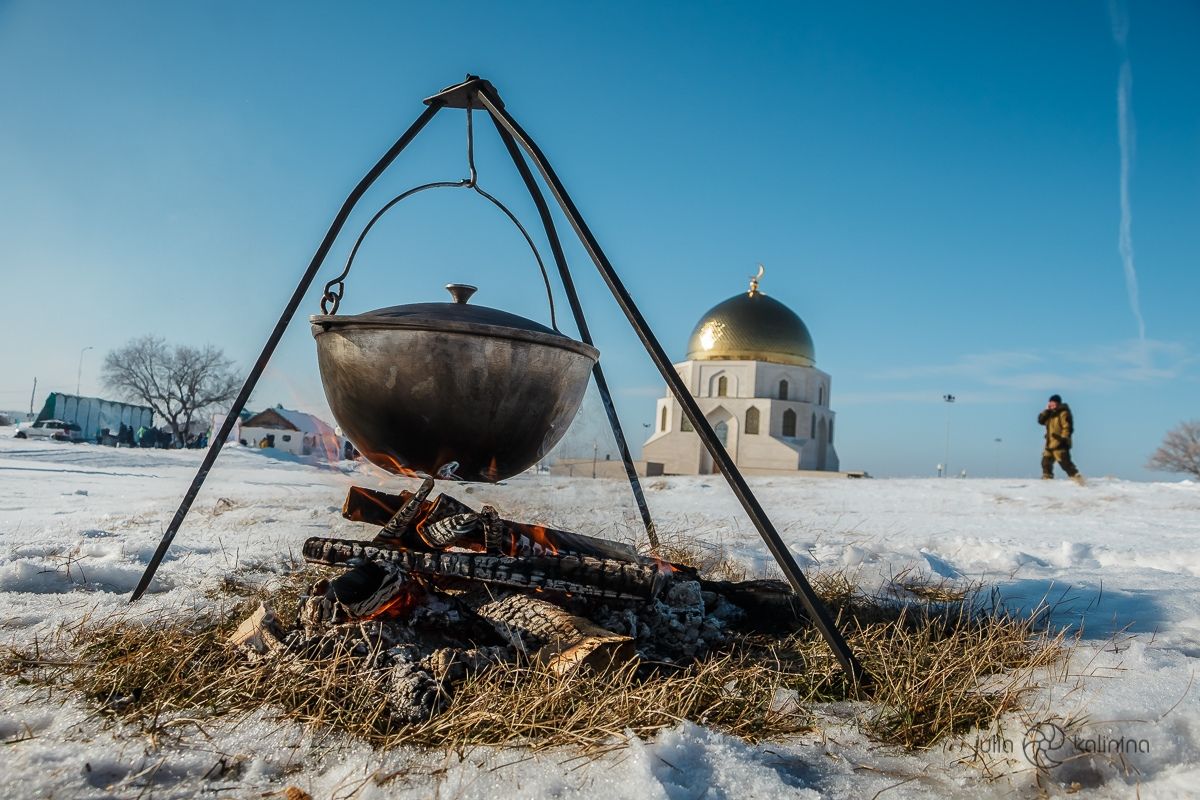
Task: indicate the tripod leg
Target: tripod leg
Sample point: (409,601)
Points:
(577,310)
(816,609)
(285,318)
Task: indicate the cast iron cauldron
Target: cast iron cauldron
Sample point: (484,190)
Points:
(451,389)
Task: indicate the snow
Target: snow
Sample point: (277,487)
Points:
(306,423)
(1119,560)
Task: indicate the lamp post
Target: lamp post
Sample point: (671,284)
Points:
(998,442)
(949,399)
(79,373)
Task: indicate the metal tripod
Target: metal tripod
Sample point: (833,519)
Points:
(477,93)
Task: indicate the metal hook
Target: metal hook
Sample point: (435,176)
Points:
(331,297)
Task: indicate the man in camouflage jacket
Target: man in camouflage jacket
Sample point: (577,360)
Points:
(1060,425)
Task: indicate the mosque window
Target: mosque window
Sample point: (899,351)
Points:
(722,386)
(752,420)
(686,425)
(789,423)
(662,423)
(812,434)
(721,429)
(821,395)
(831,431)
(783,390)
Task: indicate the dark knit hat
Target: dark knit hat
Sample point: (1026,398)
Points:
(1054,398)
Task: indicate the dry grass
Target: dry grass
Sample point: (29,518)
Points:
(941,668)
(712,560)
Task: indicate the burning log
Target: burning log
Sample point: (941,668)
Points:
(510,538)
(404,518)
(567,574)
(450,531)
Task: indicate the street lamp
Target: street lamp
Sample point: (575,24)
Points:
(949,398)
(998,442)
(79,374)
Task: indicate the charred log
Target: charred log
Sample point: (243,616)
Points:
(450,531)
(770,606)
(395,528)
(578,575)
(512,538)
(551,636)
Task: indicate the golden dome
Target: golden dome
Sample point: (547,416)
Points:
(752,327)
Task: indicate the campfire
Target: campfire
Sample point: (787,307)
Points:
(443,591)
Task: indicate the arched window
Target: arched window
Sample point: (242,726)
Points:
(820,395)
(752,420)
(831,431)
(812,434)
(662,424)
(783,390)
(721,429)
(722,386)
(789,423)
(686,425)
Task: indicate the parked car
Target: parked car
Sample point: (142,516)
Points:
(51,429)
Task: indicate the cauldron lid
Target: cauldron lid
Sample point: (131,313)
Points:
(433,314)
(458,317)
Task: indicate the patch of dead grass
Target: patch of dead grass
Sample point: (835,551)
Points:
(940,668)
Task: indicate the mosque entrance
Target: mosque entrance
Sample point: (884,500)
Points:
(724,425)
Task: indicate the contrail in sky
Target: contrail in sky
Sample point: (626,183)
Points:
(1126,134)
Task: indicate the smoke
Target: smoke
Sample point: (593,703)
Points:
(1126,135)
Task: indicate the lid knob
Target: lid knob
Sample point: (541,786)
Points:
(461,292)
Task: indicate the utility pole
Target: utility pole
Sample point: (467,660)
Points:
(79,374)
(595,453)
(949,399)
(998,442)
(31,396)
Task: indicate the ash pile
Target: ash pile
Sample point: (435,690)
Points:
(443,591)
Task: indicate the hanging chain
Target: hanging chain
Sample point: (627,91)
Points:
(332,295)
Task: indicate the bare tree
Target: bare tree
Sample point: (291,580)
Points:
(178,382)
(1180,450)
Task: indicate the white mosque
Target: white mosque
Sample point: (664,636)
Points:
(751,367)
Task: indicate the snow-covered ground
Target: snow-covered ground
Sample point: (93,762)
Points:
(78,523)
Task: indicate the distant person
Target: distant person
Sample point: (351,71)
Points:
(1060,426)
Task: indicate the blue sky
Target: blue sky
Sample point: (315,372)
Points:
(934,188)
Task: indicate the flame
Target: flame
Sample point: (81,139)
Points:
(664,567)
(422,517)
(535,539)
(492,470)
(392,464)
(409,596)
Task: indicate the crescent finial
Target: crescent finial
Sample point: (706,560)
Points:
(754,280)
